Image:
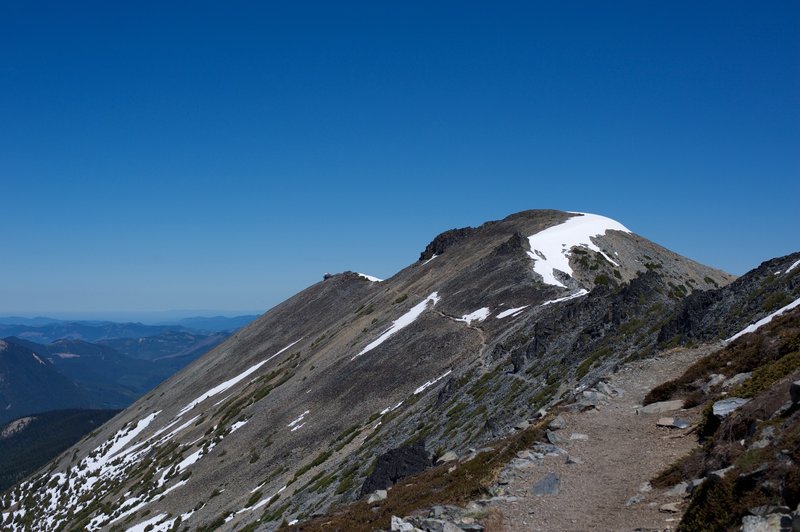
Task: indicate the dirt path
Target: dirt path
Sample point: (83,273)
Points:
(624,450)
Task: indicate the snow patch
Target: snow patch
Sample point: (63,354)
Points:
(298,423)
(509,312)
(431,383)
(479,315)
(579,293)
(370,278)
(550,248)
(793,266)
(430,259)
(763,321)
(400,323)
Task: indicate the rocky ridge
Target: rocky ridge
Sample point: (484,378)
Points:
(285,420)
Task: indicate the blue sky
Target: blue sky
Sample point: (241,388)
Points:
(202,155)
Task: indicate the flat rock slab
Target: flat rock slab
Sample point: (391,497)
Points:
(662,407)
(549,485)
(726,406)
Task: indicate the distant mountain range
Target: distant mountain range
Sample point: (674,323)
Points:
(53,364)
(46,330)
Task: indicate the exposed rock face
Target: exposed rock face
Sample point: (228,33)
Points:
(443,241)
(396,464)
(708,315)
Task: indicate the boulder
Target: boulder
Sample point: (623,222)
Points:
(594,397)
(715,379)
(552,437)
(396,464)
(661,407)
(723,408)
(557,423)
(794,392)
(678,490)
(522,425)
(579,436)
(736,380)
(770,523)
(449,456)
(603,387)
(378,495)
(399,525)
(549,485)
(573,460)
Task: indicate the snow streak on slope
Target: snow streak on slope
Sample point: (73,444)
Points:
(550,247)
(232,382)
(793,266)
(763,321)
(509,312)
(370,278)
(400,323)
(579,293)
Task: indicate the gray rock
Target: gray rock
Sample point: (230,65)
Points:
(399,525)
(783,409)
(680,423)
(548,449)
(594,397)
(577,436)
(645,488)
(378,495)
(722,408)
(549,485)
(661,407)
(672,422)
(770,523)
(573,460)
(552,437)
(604,388)
(449,456)
(557,423)
(521,463)
(522,425)
(678,490)
(794,392)
(715,379)
(736,380)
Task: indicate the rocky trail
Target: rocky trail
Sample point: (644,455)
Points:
(594,472)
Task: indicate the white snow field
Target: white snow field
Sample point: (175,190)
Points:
(550,247)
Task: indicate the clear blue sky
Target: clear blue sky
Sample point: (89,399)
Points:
(201,155)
